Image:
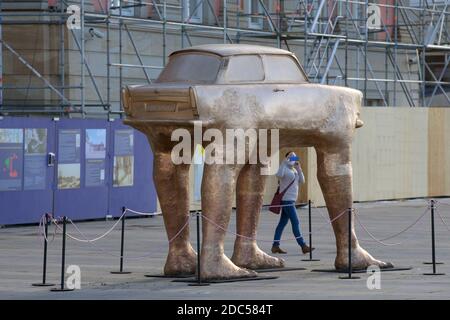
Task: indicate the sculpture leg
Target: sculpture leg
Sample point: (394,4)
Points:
(218,186)
(334,173)
(249,200)
(172,187)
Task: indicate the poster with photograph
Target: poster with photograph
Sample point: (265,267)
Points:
(11,159)
(68,176)
(69,158)
(35,167)
(95,150)
(36,141)
(123,171)
(95,143)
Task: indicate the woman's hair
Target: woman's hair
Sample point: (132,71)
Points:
(288,153)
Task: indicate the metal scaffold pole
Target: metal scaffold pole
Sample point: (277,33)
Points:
(327,34)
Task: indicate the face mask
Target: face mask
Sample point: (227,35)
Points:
(292,160)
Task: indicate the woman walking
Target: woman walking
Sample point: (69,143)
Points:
(290,176)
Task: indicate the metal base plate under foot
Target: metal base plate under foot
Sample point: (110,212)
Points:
(197,284)
(43,284)
(120,272)
(178,276)
(226,280)
(61,289)
(432,263)
(434,274)
(349,278)
(278,269)
(361,270)
(306,260)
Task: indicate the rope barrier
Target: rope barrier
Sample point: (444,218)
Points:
(97,238)
(442,203)
(324,216)
(46,218)
(263,240)
(443,221)
(157,213)
(278,205)
(92,241)
(373,237)
(398,233)
(112,228)
(41,227)
(328,222)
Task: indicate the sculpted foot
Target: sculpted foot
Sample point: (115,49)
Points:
(248,255)
(221,267)
(181,262)
(361,259)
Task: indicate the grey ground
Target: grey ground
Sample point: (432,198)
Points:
(21,260)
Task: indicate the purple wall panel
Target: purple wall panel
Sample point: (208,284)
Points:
(83,202)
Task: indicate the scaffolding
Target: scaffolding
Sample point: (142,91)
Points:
(396,51)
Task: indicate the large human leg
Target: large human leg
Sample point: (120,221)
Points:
(172,186)
(334,172)
(249,200)
(219,181)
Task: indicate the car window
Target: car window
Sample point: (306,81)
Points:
(281,68)
(245,68)
(191,67)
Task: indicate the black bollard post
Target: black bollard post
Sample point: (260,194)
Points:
(63,262)
(432,213)
(350,267)
(122,242)
(44,267)
(310,234)
(433,244)
(199,269)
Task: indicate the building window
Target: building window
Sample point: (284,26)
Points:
(193,11)
(255,10)
(126,7)
(374,103)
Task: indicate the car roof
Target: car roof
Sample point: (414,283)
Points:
(233,49)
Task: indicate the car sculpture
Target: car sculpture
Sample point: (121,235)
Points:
(238,86)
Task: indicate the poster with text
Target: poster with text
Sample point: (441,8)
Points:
(123,142)
(69,146)
(11,159)
(95,172)
(35,167)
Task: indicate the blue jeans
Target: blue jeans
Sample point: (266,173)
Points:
(288,213)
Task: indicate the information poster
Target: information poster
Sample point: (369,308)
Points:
(35,168)
(11,159)
(69,158)
(123,171)
(95,157)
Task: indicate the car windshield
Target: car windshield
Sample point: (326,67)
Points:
(191,67)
